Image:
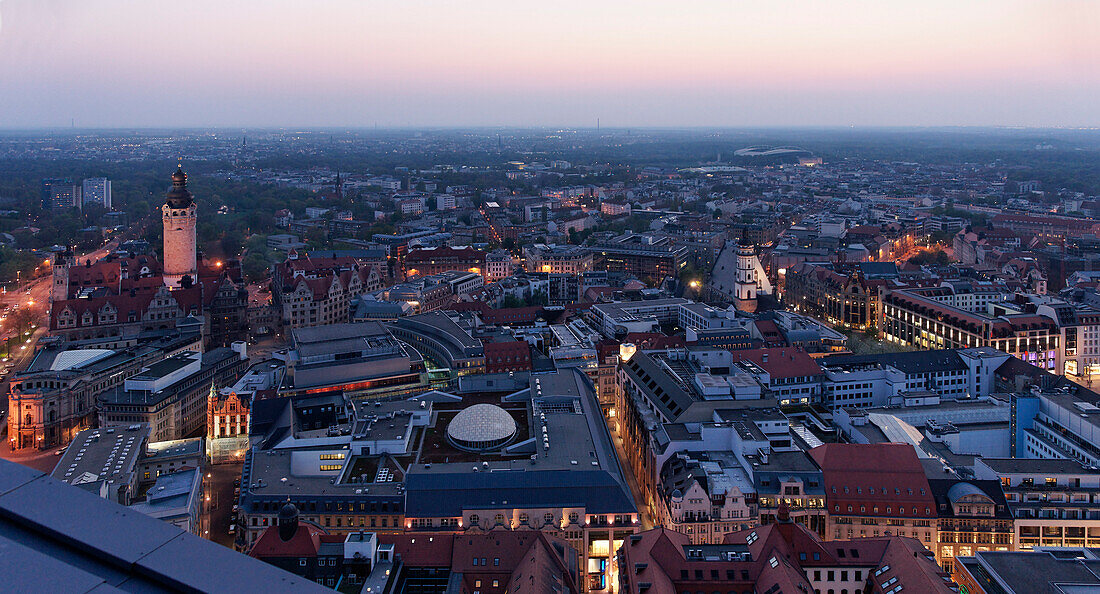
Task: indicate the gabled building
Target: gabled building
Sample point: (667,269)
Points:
(876,490)
(782,557)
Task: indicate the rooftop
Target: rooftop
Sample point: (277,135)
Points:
(101,455)
(82,543)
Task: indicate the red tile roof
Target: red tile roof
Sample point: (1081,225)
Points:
(304,543)
(882,479)
(781,362)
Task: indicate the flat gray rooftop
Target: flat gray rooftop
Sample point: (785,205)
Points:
(101,455)
(80,542)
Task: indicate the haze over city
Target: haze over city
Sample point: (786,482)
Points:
(577,297)
(118,63)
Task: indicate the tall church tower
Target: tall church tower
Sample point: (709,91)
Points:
(745,285)
(178,213)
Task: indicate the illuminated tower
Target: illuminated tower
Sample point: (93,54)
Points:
(179,217)
(62,261)
(745,285)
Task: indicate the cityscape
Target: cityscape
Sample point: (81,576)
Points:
(625,355)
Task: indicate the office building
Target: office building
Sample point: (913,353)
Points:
(1052,502)
(171,396)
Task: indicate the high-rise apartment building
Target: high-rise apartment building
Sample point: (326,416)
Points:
(96,190)
(60,193)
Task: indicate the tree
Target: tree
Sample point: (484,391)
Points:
(255,267)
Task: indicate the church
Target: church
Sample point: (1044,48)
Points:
(738,278)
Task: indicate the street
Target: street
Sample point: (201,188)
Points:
(20,333)
(219,511)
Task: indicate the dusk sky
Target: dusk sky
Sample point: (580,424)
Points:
(120,63)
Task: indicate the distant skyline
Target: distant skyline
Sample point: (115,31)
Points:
(356,63)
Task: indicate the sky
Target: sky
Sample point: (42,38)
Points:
(567,63)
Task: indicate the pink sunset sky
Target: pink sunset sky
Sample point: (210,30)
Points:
(122,63)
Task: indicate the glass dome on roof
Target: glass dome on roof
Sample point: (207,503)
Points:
(481,427)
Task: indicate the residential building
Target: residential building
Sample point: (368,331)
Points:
(96,190)
(782,557)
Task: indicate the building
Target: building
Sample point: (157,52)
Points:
(616,320)
(171,396)
(737,275)
(180,240)
(123,317)
(498,265)
(547,464)
(1056,423)
(79,542)
(491,563)
(1053,503)
(442,340)
(916,317)
(745,283)
(557,259)
(176,498)
(782,557)
(706,497)
(876,490)
(105,462)
(358,360)
(973,516)
(316,291)
(60,194)
(648,257)
(848,300)
(566,482)
(1067,570)
(55,396)
(337,459)
(437,260)
(305,549)
(96,190)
